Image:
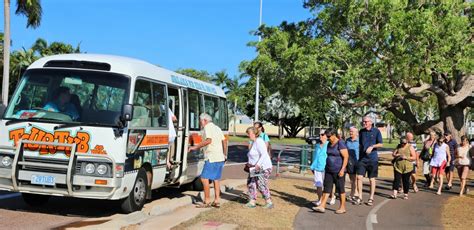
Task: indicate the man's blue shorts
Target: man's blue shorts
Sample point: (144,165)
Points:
(212,171)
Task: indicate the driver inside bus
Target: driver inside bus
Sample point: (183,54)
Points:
(62,103)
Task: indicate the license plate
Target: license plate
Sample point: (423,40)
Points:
(43,180)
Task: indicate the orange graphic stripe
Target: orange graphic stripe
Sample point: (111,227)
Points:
(151,140)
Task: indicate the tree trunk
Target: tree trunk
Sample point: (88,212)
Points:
(454,121)
(235,117)
(6,53)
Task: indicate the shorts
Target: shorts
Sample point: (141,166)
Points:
(450,168)
(441,169)
(331,179)
(318,179)
(351,166)
(371,167)
(212,171)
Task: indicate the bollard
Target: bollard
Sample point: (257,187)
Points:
(304,159)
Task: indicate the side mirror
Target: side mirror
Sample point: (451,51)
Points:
(127,112)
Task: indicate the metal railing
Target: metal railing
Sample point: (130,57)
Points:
(304,163)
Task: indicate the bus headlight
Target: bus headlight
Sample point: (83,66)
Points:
(6,161)
(90,168)
(102,169)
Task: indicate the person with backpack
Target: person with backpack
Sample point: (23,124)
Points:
(426,154)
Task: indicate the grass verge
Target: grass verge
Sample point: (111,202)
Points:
(288,196)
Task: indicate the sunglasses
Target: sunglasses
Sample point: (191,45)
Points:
(365,121)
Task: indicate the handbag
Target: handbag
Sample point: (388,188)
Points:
(425,154)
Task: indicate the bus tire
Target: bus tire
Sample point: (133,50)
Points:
(197,184)
(137,197)
(35,200)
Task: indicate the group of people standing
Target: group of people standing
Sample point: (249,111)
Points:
(334,157)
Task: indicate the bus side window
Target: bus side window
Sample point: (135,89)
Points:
(195,109)
(159,110)
(142,102)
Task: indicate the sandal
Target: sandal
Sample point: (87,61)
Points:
(405,197)
(319,209)
(393,196)
(216,204)
(203,205)
(416,189)
(340,211)
(370,202)
(357,201)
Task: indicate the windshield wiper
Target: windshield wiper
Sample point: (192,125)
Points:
(14,121)
(69,125)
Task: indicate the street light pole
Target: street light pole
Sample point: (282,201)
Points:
(257,85)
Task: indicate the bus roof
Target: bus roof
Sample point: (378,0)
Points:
(134,68)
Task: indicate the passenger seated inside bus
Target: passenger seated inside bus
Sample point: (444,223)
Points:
(62,103)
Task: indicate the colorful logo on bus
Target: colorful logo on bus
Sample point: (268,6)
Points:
(35,134)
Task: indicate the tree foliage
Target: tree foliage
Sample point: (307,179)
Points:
(399,55)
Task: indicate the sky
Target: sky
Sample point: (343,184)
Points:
(209,35)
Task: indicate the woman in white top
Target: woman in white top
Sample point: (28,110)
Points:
(261,163)
(462,162)
(439,161)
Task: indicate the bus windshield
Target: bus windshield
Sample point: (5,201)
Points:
(69,96)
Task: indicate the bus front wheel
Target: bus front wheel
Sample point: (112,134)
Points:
(35,200)
(137,197)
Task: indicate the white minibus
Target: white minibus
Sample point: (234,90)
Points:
(98,127)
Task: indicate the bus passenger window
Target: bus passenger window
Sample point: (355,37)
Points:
(142,102)
(159,108)
(195,109)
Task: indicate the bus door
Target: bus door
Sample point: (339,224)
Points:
(175,104)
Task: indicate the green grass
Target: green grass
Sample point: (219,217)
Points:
(274,140)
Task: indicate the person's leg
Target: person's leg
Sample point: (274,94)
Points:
(328,185)
(434,173)
(262,185)
(217,191)
(252,190)
(360,172)
(440,183)
(406,183)
(373,173)
(413,178)
(354,191)
(340,183)
(332,196)
(462,171)
(450,175)
(207,193)
(426,173)
(396,183)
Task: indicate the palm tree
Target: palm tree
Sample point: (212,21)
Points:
(33,11)
(221,78)
(233,94)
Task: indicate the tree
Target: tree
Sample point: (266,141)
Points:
(33,12)
(392,54)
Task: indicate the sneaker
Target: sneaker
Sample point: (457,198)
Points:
(268,206)
(250,205)
(332,201)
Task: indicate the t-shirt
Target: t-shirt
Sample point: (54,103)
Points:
(353,148)
(264,136)
(453,145)
(68,109)
(334,160)
(368,138)
(171,130)
(214,151)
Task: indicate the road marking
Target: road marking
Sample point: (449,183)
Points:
(8,196)
(372,216)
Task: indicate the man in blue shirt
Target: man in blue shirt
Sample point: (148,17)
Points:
(370,139)
(62,103)
(352,144)
(453,148)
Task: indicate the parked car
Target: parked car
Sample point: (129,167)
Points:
(313,140)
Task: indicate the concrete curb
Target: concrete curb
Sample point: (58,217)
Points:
(165,207)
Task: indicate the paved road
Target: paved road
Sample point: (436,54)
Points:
(421,211)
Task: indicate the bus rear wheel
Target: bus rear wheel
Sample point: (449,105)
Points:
(137,197)
(35,200)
